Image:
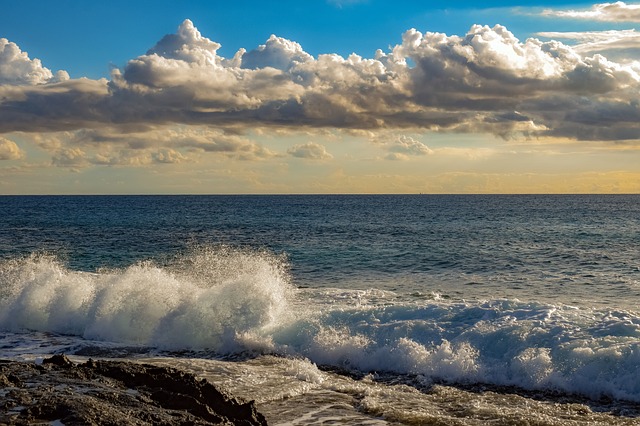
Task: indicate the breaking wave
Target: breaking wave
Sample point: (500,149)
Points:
(202,300)
(229,300)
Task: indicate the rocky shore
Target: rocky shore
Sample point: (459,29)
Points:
(61,392)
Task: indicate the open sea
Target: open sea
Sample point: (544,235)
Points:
(343,309)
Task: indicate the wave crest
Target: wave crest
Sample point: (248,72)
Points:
(202,300)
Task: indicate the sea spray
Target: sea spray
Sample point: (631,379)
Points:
(211,298)
(38,293)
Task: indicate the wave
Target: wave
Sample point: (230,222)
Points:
(229,301)
(502,342)
(201,300)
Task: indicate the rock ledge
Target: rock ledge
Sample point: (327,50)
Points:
(114,393)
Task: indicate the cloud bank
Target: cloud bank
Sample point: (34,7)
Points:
(484,81)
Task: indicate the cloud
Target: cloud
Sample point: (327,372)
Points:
(17,69)
(9,150)
(607,12)
(489,73)
(72,104)
(311,151)
(112,146)
(485,81)
(76,158)
(618,45)
(168,156)
(137,158)
(488,63)
(187,45)
(406,146)
(70,157)
(278,53)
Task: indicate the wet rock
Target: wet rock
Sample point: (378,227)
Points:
(114,393)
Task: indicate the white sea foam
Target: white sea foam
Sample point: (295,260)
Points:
(226,301)
(503,342)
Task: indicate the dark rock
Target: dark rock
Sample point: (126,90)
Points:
(115,393)
(59,360)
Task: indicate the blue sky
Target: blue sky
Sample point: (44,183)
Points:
(86,38)
(198,97)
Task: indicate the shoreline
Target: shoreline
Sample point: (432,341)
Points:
(60,391)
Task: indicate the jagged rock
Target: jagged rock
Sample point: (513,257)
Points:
(59,360)
(114,393)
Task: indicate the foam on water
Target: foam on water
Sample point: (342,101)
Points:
(503,342)
(229,301)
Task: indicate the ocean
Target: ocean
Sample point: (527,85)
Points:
(343,309)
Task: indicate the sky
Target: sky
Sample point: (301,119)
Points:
(321,96)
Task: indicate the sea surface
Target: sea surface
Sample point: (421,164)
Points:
(343,309)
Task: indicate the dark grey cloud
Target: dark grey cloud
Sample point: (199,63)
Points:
(67,105)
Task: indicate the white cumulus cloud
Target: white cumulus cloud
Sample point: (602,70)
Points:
(17,68)
(278,53)
(187,45)
(183,78)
